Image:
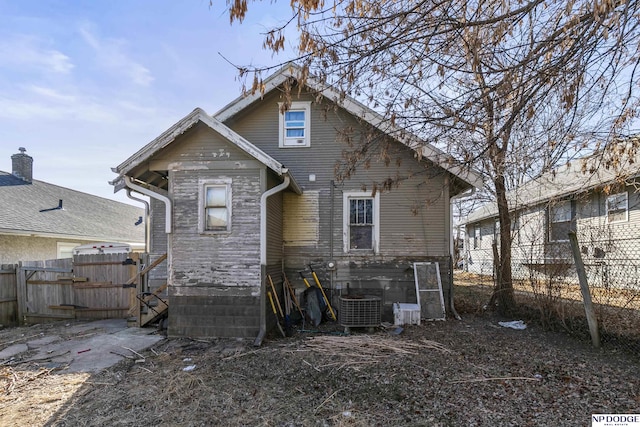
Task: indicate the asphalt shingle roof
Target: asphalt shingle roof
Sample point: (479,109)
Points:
(576,177)
(26,208)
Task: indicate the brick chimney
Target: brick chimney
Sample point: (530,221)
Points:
(22,165)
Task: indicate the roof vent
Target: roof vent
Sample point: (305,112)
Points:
(22,165)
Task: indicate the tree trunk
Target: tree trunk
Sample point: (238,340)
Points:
(504,285)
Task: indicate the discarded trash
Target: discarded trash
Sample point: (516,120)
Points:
(189,368)
(346,414)
(186,359)
(515,324)
(397,331)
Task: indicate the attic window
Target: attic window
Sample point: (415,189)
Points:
(618,207)
(295,125)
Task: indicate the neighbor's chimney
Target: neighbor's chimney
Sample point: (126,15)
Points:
(22,165)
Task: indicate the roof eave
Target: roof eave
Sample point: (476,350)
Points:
(167,137)
(88,238)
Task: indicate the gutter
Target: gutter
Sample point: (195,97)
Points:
(167,202)
(146,219)
(263,252)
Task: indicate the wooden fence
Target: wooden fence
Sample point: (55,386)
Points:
(86,287)
(8,296)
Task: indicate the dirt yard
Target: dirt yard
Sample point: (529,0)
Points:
(455,373)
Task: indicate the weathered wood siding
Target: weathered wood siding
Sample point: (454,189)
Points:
(158,239)
(274,228)
(302,216)
(158,243)
(215,278)
(414,216)
(275,249)
(215,260)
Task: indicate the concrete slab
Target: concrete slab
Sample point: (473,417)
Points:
(42,341)
(107,325)
(13,350)
(92,347)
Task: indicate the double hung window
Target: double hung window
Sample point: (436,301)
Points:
(295,126)
(560,221)
(361,221)
(618,207)
(216,206)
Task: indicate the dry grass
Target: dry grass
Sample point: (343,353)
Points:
(468,373)
(558,305)
(30,395)
(623,298)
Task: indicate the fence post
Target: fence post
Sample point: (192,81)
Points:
(584,288)
(21,293)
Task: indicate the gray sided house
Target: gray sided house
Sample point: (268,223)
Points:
(589,196)
(250,193)
(41,221)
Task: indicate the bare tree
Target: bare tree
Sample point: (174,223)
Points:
(510,86)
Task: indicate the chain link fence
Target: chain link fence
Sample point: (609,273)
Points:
(547,289)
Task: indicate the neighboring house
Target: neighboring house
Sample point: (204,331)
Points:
(40,221)
(589,196)
(251,192)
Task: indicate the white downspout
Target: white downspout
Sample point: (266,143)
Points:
(263,251)
(147,244)
(167,202)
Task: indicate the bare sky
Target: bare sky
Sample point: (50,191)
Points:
(84,85)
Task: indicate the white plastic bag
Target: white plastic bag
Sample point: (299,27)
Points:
(515,324)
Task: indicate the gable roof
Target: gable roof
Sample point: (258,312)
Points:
(32,209)
(184,124)
(361,111)
(579,176)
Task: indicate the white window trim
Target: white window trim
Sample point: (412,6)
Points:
(203,184)
(626,208)
(551,221)
(346,196)
(477,237)
(300,105)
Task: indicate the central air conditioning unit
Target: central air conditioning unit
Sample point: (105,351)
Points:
(360,311)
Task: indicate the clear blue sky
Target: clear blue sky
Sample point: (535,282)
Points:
(85,84)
